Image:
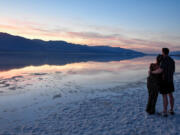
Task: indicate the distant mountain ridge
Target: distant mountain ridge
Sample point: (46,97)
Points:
(177,53)
(11,43)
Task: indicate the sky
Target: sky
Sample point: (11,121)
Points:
(143,25)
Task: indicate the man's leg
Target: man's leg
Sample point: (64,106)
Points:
(171,99)
(165,103)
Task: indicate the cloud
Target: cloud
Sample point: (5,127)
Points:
(120,41)
(91,35)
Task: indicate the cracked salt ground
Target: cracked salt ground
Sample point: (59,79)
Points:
(121,114)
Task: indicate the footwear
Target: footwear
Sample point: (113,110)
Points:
(171,112)
(150,112)
(164,114)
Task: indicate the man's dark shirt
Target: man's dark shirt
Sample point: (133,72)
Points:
(168,66)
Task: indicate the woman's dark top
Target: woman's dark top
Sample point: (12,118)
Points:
(154,80)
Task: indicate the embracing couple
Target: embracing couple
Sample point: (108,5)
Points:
(160,80)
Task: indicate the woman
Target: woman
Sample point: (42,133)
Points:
(153,85)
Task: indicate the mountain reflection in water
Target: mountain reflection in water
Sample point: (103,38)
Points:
(19,60)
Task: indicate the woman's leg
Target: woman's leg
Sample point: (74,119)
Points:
(154,101)
(151,102)
(148,107)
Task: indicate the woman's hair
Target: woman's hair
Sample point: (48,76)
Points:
(159,59)
(154,66)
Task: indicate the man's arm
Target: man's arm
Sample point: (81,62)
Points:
(174,67)
(157,71)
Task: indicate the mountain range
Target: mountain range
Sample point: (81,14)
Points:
(175,53)
(11,43)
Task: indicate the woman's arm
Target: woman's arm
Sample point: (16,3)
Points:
(157,71)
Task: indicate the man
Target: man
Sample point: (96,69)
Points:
(167,68)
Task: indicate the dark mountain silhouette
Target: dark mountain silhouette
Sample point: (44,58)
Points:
(175,53)
(10,43)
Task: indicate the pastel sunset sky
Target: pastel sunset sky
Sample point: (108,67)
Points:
(143,25)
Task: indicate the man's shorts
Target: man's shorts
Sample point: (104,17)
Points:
(167,87)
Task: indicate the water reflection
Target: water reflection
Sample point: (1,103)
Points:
(139,65)
(13,60)
(90,67)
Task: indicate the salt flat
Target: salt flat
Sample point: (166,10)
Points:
(57,103)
